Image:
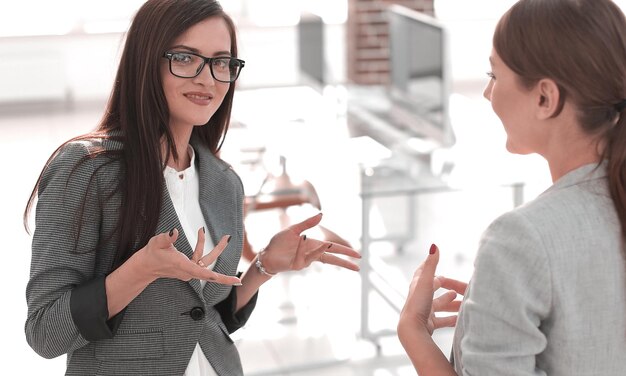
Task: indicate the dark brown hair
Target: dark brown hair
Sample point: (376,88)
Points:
(581,45)
(137,115)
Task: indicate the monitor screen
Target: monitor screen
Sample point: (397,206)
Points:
(420,79)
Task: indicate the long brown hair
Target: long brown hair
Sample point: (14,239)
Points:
(581,45)
(137,115)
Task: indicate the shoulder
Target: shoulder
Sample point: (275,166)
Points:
(211,164)
(83,147)
(562,212)
(511,241)
(565,201)
(207,156)
(81,159)
(556,225)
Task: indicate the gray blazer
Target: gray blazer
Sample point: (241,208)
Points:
(157,332)
(548,295)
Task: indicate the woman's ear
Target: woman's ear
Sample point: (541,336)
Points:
(548,99)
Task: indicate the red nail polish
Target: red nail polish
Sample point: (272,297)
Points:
(433,249)
(228,240)
(171,232)
(203,230)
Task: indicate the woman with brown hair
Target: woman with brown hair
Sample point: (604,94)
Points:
(139,224)
(548,293)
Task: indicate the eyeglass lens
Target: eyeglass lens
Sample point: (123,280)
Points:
(224,69)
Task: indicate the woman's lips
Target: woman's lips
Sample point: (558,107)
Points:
(201,99)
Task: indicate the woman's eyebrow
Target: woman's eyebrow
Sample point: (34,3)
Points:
(190,49)
(197,51)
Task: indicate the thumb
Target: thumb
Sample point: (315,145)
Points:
(306,224)
(429,267)
(433,257)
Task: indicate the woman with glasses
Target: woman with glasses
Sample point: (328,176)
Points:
(548,293)
(139,224)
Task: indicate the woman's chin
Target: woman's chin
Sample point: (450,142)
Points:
(517,150)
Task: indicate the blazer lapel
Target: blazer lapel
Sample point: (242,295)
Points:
(215,204)
(218,207)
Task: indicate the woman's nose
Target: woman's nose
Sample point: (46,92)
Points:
(205,76)
(487,91)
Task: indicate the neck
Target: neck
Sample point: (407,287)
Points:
(181,144)
(578,154)
(566,145)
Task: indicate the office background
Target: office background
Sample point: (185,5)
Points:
(57,62)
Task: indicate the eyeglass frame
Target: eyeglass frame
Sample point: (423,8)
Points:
(205,60)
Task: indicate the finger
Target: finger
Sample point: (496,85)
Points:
(306,224)
(318,253)
(453,306)
(425,274)
(197,253)
(436,283)
(216,252)
(329,258)
(304,258)
(222,279)
(453,284)
(165,239)
(343,250)
(299,261)
(442,302)
(444,322)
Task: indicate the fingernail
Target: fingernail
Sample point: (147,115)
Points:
(171,232)
(203,230)
(303,237)
(330,245)
(228,240)
(433,249)
(238,284)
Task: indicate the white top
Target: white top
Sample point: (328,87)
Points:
(184,190)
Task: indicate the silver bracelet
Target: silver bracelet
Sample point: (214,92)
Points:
(259,265)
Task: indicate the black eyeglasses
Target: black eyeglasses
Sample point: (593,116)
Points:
(189,65)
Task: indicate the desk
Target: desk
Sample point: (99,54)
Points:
(382,182)
(396,122)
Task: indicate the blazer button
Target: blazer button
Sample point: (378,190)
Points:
(197,313)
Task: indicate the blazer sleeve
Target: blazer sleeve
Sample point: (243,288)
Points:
(508,297)
(231,318)
(67,304)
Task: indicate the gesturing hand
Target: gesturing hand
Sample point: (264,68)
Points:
(163,260)
(420,307)
(288,250)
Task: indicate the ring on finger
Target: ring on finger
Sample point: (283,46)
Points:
(201,263)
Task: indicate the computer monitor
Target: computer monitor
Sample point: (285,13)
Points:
(420,82)
(311,49)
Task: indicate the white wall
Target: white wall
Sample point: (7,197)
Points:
(49,67)
(82,66)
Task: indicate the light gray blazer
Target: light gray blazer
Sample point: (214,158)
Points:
(548,294)
(157,332)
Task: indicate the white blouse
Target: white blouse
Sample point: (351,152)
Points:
(184,190)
